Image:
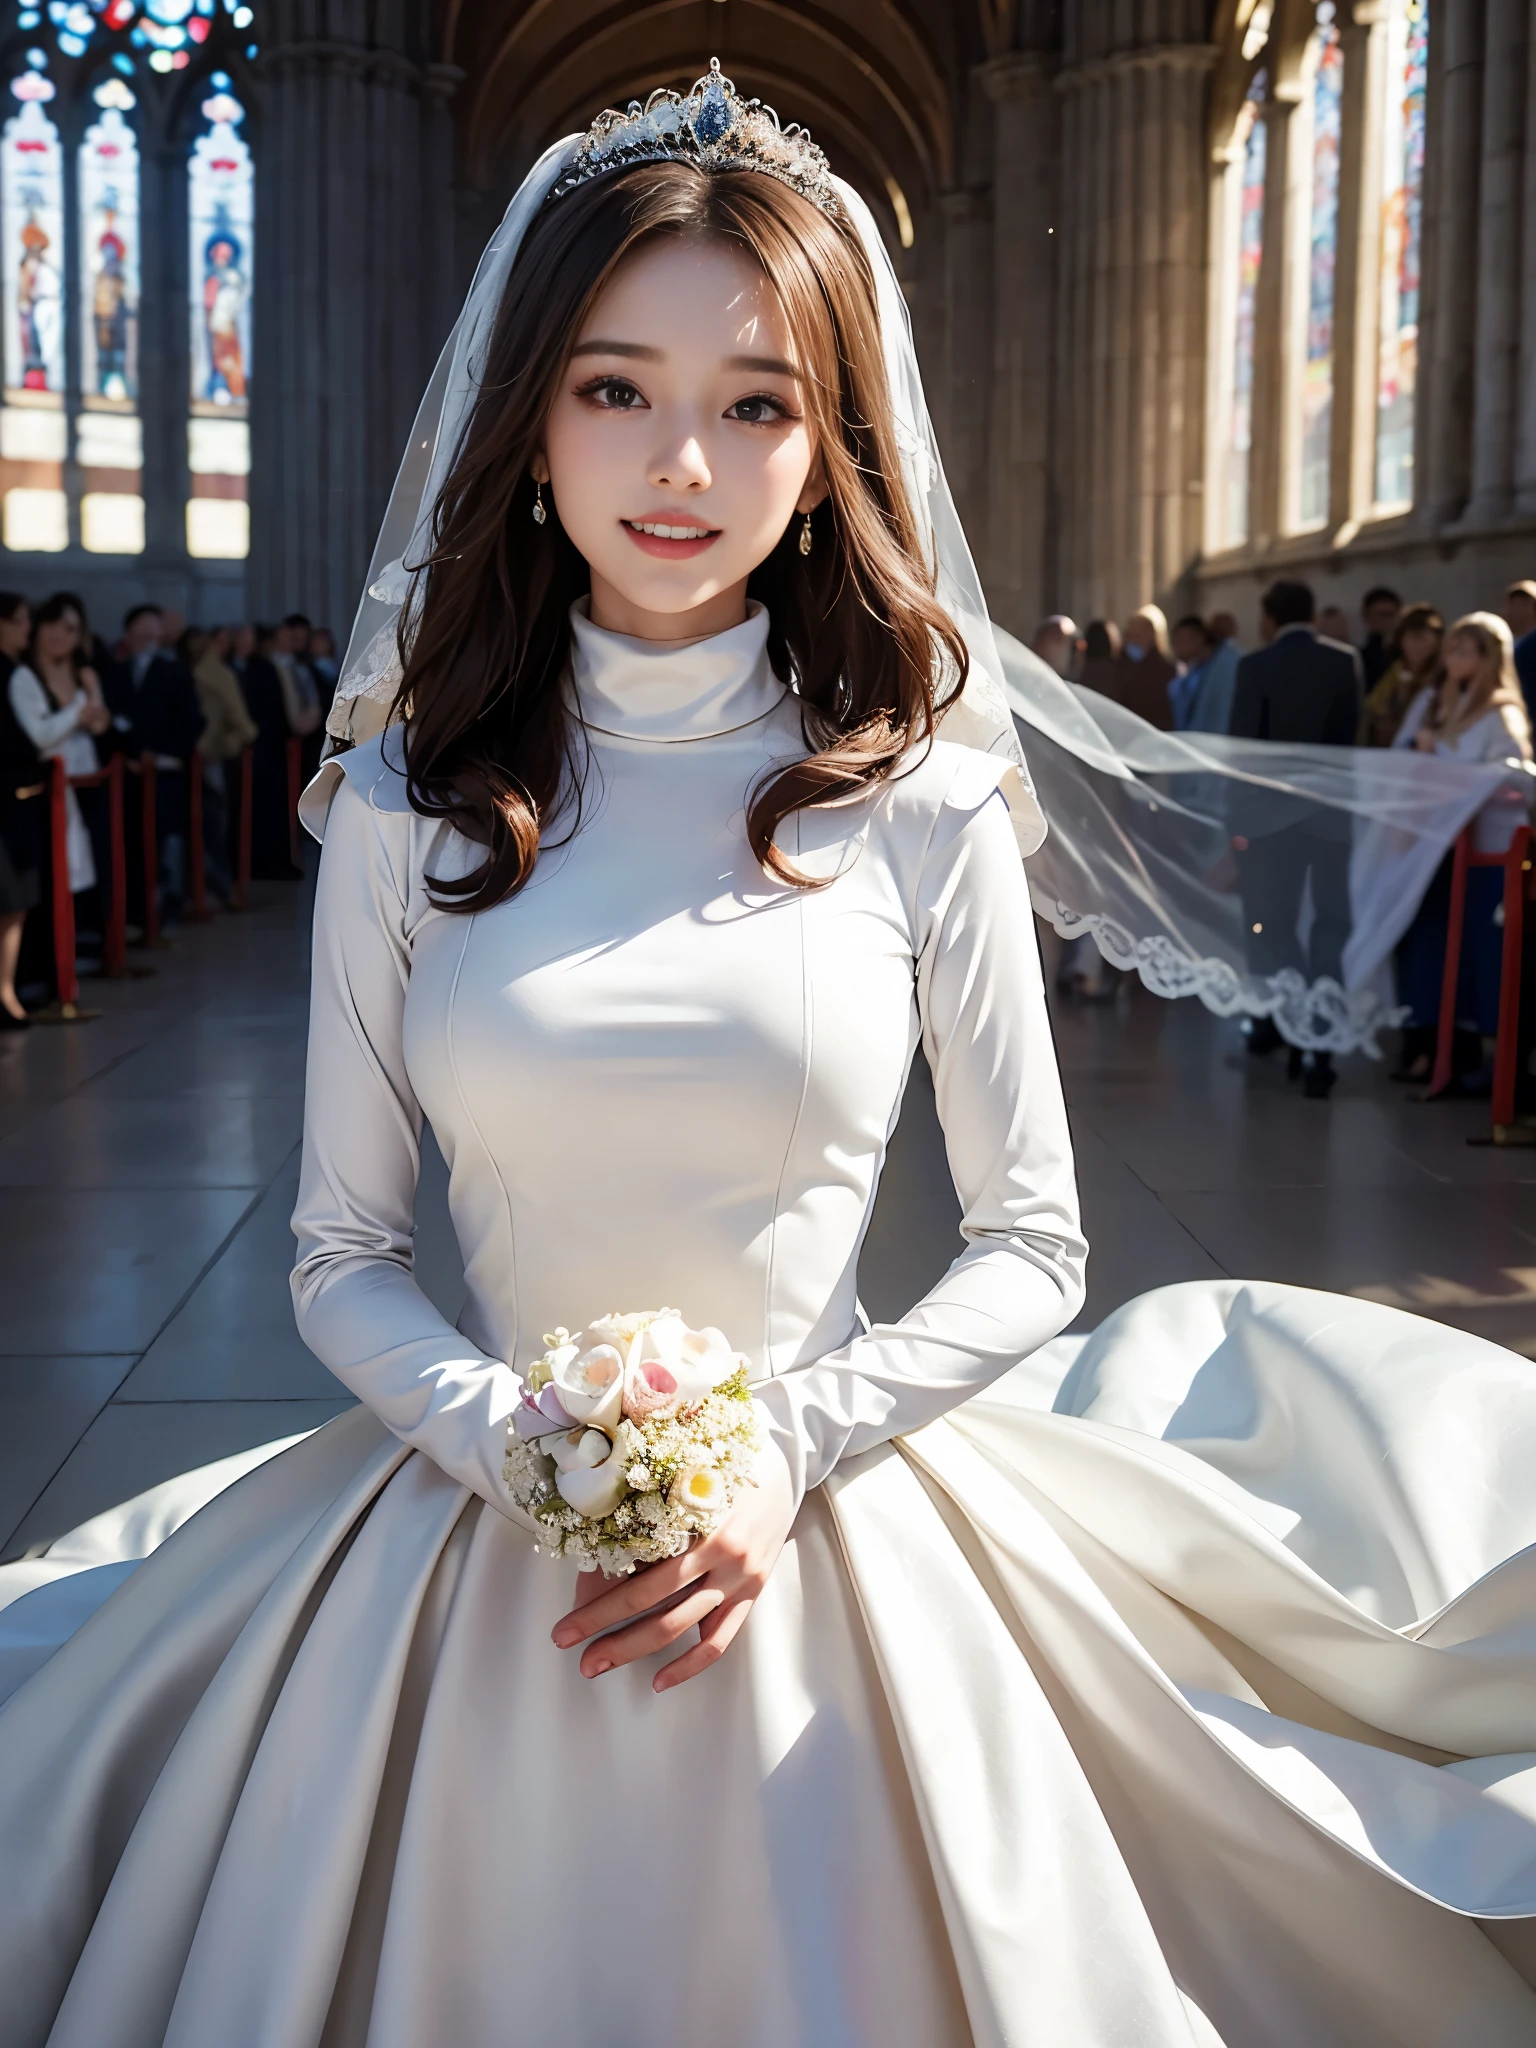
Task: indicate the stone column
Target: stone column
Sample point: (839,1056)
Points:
(1352,450)
(340,340)
(1498,260)
(1525,429)
(965,436)
(1130,423)
(1023,323)
(1456,55)
(1274,317)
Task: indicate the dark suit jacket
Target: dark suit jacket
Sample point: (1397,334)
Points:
(1300,689)
(160,715)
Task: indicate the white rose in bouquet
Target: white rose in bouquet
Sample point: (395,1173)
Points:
(632,1438)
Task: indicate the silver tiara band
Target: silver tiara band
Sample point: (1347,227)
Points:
(710,126)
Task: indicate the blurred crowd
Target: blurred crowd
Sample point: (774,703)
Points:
(176,701)
(1463,690)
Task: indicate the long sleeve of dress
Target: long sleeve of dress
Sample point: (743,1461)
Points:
(1019,1281)
(43,725)
(357,1304)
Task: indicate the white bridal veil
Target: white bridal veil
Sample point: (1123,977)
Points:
(1130,838)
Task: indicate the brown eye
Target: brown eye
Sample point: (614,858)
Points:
(614,394)
(760,410)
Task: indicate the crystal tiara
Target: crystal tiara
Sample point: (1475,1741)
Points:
(712,126)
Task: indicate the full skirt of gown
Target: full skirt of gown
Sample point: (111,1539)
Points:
(1181,1689)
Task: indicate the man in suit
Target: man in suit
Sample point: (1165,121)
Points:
(1299,690)
(153,701)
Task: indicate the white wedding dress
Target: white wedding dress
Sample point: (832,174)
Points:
(1171,1688)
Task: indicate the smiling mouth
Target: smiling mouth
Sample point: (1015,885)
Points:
(670,539)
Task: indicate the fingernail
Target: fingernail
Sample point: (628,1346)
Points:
(564,1637)
(597,1670)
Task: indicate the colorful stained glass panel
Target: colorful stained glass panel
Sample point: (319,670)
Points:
(221,211)
(1402,225)
(109,257)
(32,224)
(1251,143)
(1327,103)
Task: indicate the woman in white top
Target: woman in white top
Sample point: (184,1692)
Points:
(59,706)
(1473,711)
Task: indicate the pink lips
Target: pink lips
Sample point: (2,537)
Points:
(670,550)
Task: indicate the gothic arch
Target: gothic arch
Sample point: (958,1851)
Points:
(874,82)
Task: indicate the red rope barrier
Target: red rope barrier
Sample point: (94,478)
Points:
(63,899)
(1450,977)
(149,842)
(1517,871)
(1516,863)
(115,951)
(197,874)
(243,856)
(114,954)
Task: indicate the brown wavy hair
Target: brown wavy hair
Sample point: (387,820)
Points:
(490,739)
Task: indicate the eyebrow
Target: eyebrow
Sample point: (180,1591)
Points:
(640,352)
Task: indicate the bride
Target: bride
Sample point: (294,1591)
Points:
(1171,1688)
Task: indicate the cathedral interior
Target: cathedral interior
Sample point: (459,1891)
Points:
(1203,289)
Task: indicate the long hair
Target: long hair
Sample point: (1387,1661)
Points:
(855,628)
(1495,686)
(1418,618)
(62,604)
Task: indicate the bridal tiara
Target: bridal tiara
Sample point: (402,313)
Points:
(712,126)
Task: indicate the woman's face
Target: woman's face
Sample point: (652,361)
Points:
(681,408)
(58,640)
(1462,657)
(16,631)
(1420,644)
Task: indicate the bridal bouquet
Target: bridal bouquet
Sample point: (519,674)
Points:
(632,1437)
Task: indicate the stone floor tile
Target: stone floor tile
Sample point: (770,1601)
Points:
(90,1141)
(133,1445)
(46,1405)
(96,1270)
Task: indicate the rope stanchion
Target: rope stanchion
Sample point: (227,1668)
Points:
(1517,870)
(1519,889)
(65,1008)
(149,848)
(242,891)
(197,871)
(295,762)
(114,949)
(63,899)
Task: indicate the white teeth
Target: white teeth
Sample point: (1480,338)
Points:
(669,532)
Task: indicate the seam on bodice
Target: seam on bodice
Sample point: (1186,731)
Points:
(807,1033)
(472,1123)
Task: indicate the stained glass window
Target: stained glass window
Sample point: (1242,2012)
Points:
(34,512)
(1402,222)
(108,433)
(221,213)
(1249,146)
(167,33)
(1327,105)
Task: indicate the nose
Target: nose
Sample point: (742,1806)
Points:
(682,467)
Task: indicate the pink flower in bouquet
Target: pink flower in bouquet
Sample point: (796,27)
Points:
(651,1390)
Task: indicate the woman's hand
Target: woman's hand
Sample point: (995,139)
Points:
(1425,742)
(712,1585)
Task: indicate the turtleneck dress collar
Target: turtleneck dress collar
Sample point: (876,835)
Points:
(640,691)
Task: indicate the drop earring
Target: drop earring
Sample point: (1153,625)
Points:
(539,514)
(805,536)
